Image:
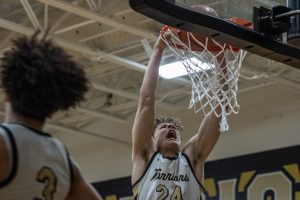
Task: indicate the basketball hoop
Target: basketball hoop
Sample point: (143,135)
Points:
(214,85)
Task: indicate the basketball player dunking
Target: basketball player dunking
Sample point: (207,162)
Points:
(38,79)
(162,167)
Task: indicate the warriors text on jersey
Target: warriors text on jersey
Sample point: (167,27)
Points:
(40,167)
(168,178)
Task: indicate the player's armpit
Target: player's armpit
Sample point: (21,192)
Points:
(201,144)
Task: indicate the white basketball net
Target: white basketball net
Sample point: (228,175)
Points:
(214,75)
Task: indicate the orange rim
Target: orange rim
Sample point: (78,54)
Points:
(211,46)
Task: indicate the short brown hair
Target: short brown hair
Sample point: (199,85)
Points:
(162,119)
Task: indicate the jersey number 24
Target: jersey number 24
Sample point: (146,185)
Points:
(164,193)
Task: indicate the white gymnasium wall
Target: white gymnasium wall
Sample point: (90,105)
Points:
(257,136)
(248,134)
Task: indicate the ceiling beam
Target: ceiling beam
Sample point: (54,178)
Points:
(82,132)
(90,21)
(91,53)
(86,50)
(76,47)
(92,5)
(100,18)
(118,92)
(27,31)
(46,16)
(120,107)
(147,47)
(105,33)
(101,115)
(133,96)
(160,98)
(76,131)
(69,28)
(34,20)
(5,41)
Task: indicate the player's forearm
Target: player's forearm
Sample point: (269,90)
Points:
(142,129)
(208,135)
(151,76)
(144,119)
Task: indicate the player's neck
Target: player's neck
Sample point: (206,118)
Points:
(167,153)
(12,117)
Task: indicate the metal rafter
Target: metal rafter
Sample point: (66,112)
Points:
(132,104)
(102,115)
(132,96)
(83,132)
(28,31)
(76,47)
(69,28)
(87,51)
(113,30)
(64,129)
(147,47)
(46,12)
(100,18)
(92,5)
(35,22)
(6,40)
(93,21)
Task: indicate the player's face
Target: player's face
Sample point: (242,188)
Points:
(167,135)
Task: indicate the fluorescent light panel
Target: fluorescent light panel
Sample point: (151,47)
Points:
(177,69)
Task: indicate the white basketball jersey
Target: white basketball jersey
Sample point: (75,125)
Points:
(40,167)
(169,179)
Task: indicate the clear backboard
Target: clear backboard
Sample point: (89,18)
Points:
(179,14)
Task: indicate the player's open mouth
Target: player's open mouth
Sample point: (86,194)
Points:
(171,135)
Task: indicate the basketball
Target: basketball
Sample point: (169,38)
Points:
(205,10)
(194,44)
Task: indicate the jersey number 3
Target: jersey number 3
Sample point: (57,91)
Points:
(164,193)
(47,177)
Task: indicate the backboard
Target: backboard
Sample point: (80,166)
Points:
(179,14)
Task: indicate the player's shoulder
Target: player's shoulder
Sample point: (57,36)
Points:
(25,129)
(2,131)
(28,133)
(2,137)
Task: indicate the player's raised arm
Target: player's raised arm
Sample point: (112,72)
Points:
(144,119)
(80,188)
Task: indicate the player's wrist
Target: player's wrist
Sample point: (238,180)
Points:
(160,44)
